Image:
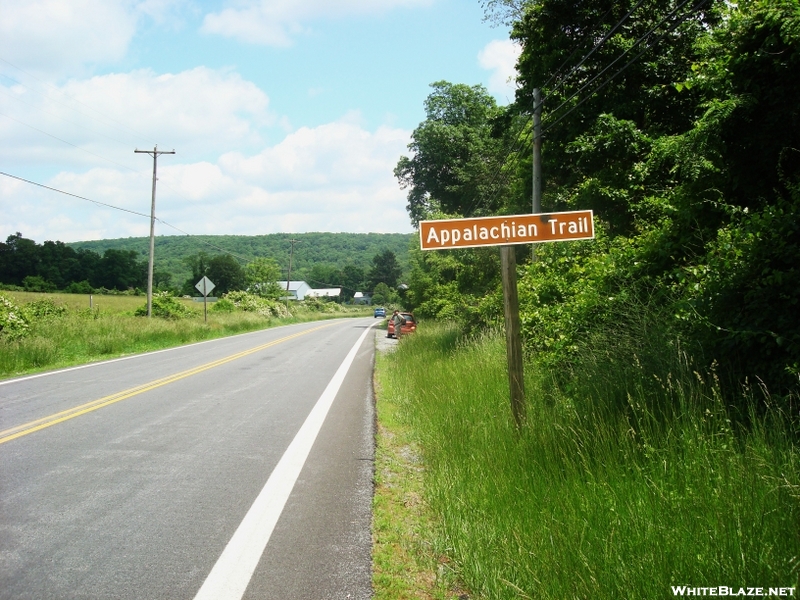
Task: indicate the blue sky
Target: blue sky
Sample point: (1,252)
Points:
(285,115)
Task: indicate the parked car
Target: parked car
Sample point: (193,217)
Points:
(380,312)
(410,325)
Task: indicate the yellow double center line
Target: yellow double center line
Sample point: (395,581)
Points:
(21,430)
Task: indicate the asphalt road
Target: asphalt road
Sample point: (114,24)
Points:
(237,468)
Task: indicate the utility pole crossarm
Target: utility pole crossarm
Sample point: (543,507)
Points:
(154,153)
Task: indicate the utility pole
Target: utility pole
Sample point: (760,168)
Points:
(154,154)
(289,274)
(537,158)
(508,266)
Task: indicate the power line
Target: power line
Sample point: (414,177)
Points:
(68,143)
(55,137)
(502,170)
(621,56)
(47,187)
(166,183)
(596,47)
(629,63)
(133,212)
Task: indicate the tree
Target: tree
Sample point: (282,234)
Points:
(226,273)
(261,276)
(454,153)
(689,159)
(162,280)
(590,155)
(385,269)
(198,263)
(383,294)
(353,280)
(324,275)
(504,12)
(19,258)
(120,270)
(223,270)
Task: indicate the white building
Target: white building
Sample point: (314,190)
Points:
(298,290)
(325,292)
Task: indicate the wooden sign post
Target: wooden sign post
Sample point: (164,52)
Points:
(516,372)
(506,232)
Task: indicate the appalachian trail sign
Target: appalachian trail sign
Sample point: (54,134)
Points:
(507,231)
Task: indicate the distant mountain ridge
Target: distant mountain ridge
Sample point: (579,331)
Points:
(337,249)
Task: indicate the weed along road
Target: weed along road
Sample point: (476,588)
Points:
(236,468)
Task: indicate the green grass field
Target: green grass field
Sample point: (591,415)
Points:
(110,329)
(75,302)
(587,500)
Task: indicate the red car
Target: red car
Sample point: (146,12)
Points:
(410,325)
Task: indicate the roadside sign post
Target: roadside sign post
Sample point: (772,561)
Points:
(506,232)
(516,372)
(204,286)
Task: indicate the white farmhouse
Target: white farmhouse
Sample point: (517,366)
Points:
(298,290)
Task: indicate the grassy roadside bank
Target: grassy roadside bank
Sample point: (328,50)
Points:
(588,500)
(109,329)
(405,566)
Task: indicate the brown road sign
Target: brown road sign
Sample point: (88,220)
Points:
(509,229)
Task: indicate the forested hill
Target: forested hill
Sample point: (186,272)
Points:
(334,249)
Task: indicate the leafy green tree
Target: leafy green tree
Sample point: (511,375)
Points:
(19,258)
(383,294)
(226,273)
(162,280)
(79,287)
(689,159)
(453,153)
(35,283)
(688,156)
(613,128)
(59,264)
(353,280)
(385,269)
(223,270)
(262,276)
(120,270)
(198,263)
(324,275)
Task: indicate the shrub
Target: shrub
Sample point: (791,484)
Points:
(34,283)
(323,306)
(79,287)
(223,305)
(45,308)
(14,323)
(166,306)
(251,303)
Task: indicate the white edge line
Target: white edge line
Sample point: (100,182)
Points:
(143,354)
(230,576)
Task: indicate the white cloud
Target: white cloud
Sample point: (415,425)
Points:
(335,177)
(53,38)
(500,56)
(276,22)
(333,154)
(34,34)
(199,112)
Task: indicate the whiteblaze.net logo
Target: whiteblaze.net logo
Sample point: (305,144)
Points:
(722,590)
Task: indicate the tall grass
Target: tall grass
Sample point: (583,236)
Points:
(629,476)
